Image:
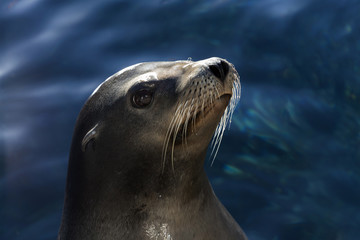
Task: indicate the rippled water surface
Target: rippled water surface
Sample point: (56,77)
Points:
(289,168)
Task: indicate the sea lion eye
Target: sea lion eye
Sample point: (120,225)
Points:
(142,98)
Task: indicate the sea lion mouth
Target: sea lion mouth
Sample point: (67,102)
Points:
(198,118)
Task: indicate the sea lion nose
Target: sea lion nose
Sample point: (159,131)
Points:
(220,69)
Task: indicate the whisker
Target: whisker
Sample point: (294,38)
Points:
(226,118)
(188,117)
(174,134)
(169,133)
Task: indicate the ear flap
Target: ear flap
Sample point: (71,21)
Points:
(90,135)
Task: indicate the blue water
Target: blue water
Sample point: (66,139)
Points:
(288,169)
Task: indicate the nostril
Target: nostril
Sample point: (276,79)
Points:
(216,71)
(225,67)
(220,70)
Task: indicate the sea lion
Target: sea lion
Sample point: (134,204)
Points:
(138,150)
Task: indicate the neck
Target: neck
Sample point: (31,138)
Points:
(130,203)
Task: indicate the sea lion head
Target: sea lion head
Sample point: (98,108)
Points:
(155,118)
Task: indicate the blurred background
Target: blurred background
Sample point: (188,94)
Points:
(288,168)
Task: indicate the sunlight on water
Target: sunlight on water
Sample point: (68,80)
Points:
(280,8)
